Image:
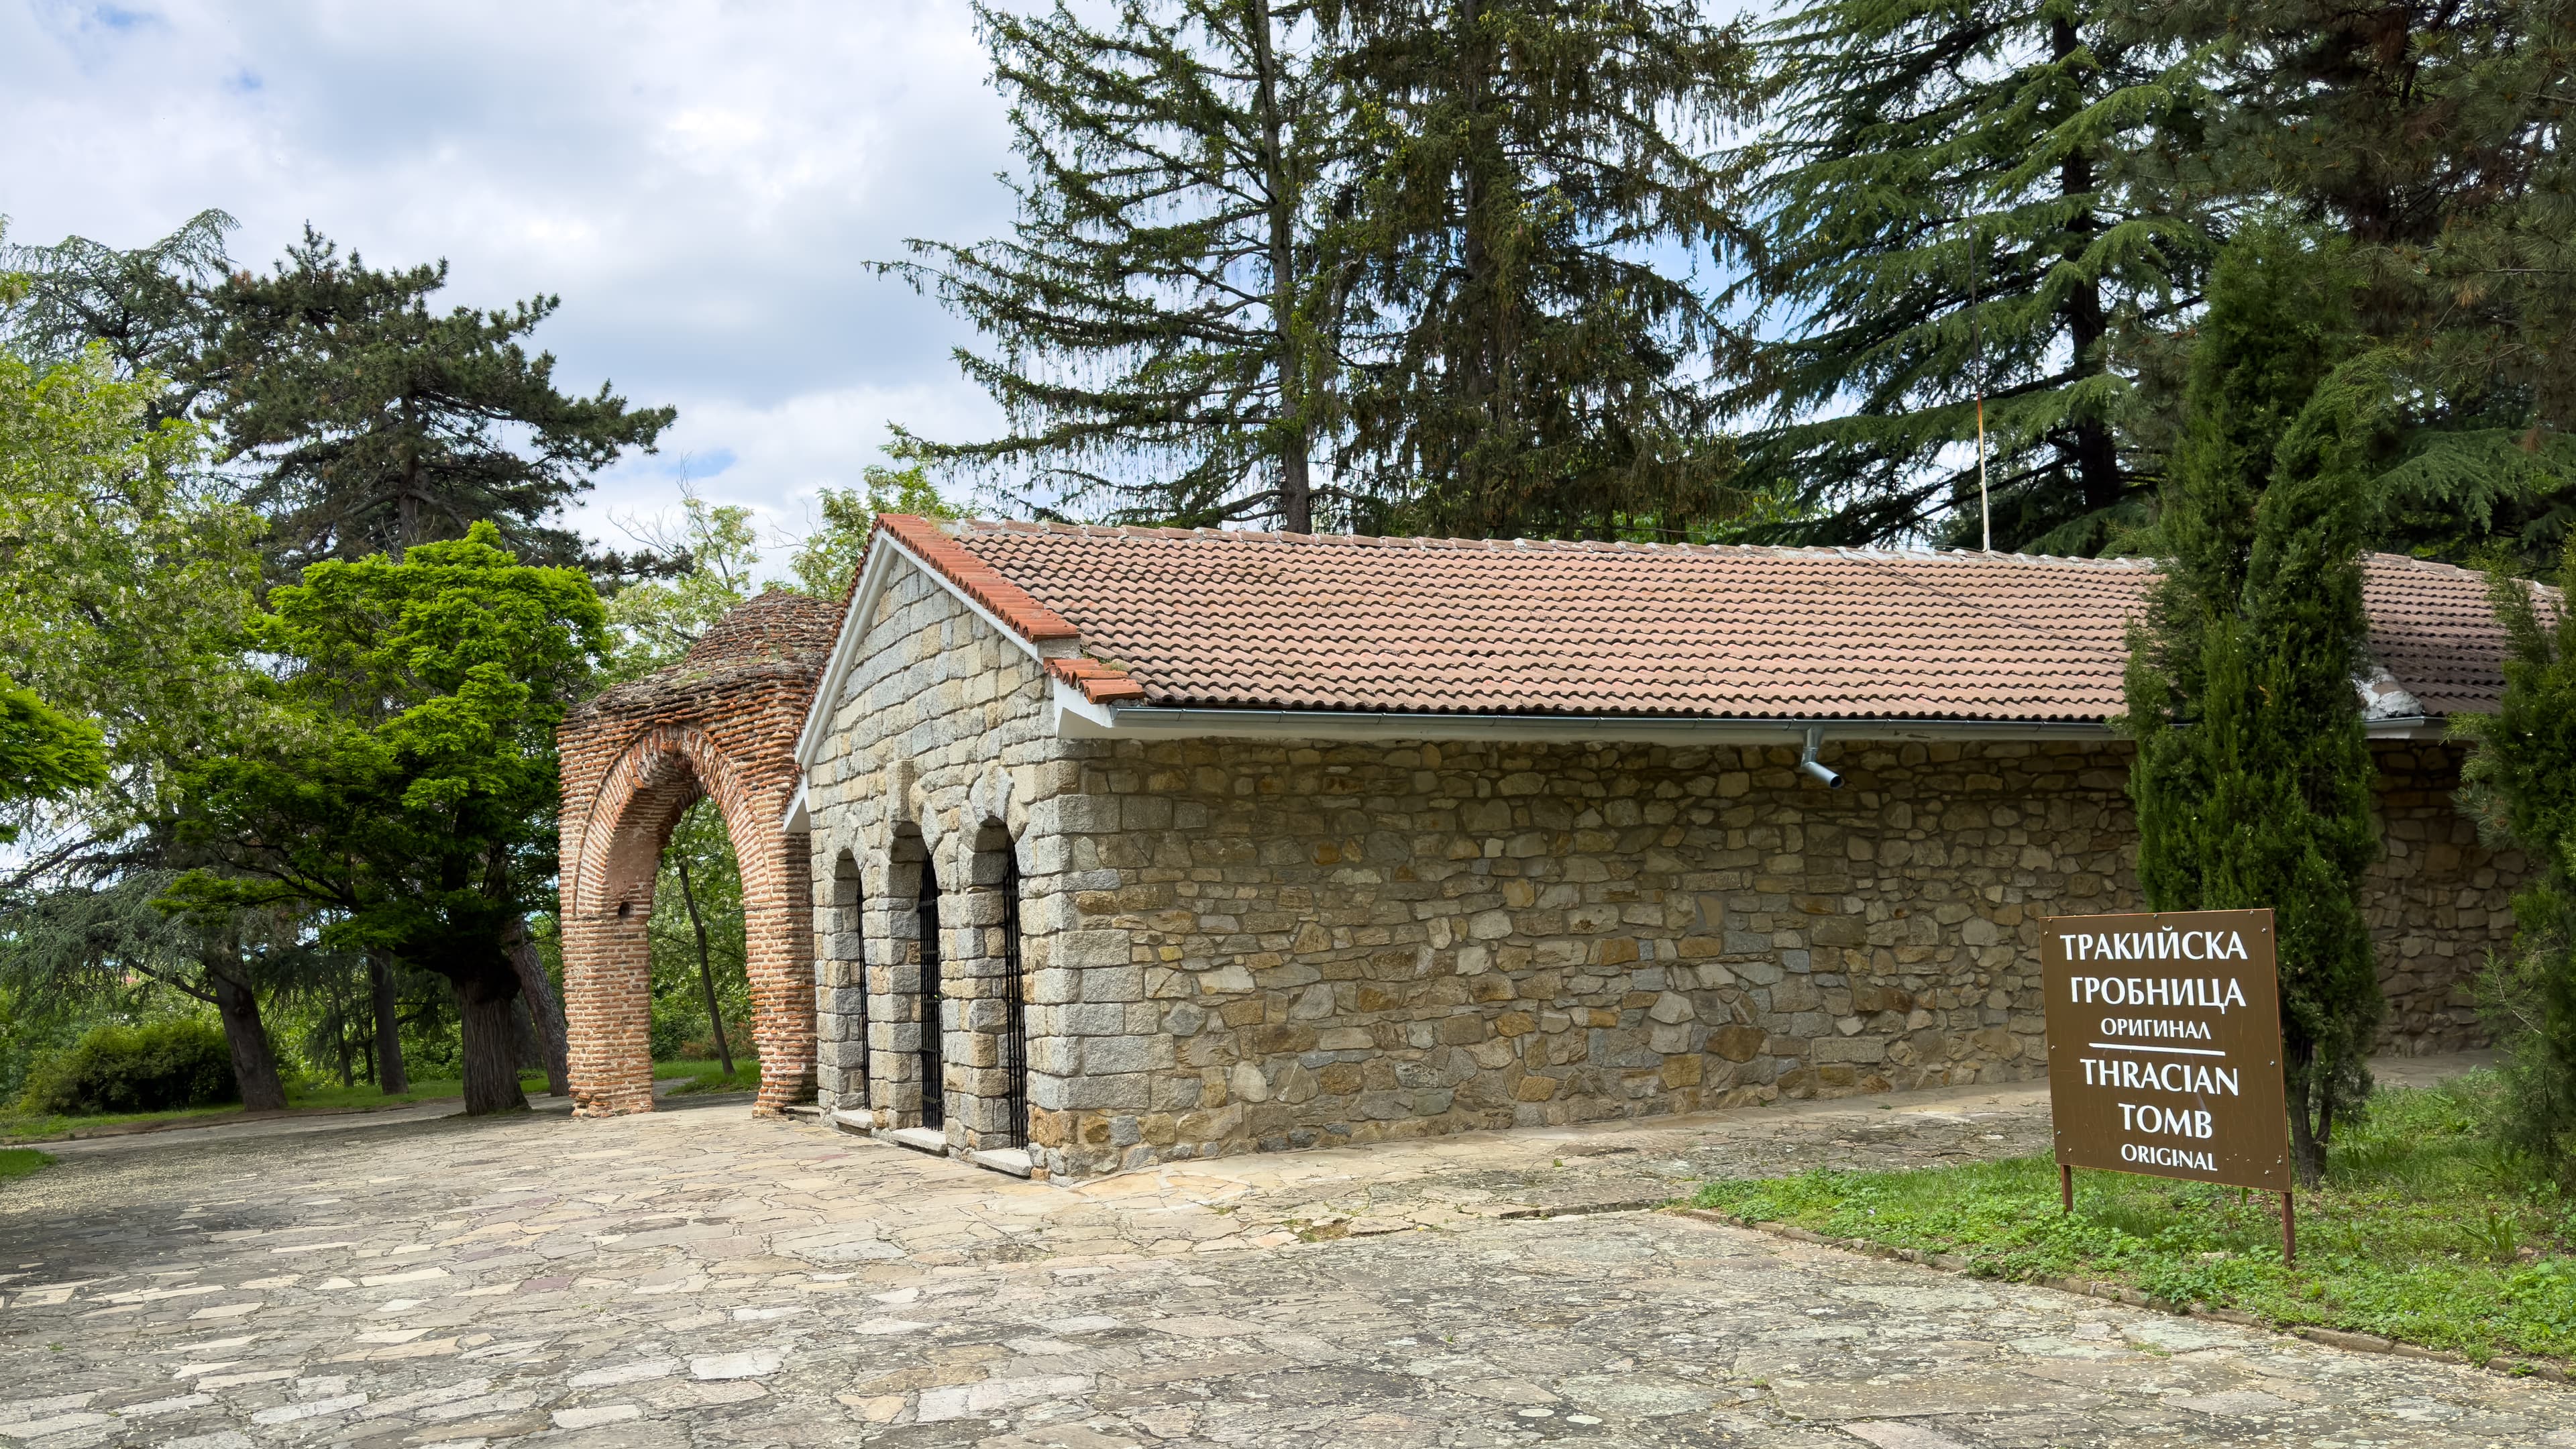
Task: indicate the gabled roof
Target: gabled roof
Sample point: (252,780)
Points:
(1258,621)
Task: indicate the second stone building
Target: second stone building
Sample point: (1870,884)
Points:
(1138,845)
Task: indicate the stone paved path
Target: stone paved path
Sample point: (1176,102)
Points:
(697,1277)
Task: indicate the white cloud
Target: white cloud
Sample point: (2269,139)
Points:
(772,459)
(699,181)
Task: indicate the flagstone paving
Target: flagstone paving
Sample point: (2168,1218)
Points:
(698,1277)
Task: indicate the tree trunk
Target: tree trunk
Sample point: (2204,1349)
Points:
(340,1035)
(390,1071)
(1296,487)
(539,991)
(706,975)
(2307,1154)
(2096,454)
(490,1039)
(253,1066)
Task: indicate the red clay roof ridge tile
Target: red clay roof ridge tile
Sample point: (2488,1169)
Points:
(982,582)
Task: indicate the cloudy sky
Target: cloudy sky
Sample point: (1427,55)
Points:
(699,181)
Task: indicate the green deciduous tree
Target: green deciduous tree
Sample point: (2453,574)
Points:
(1162,314)
(44,753)
(699,957)
(1531,187)
(375,424)
(125,580)
(404,789)
(657,621)
(2252,777)
(1955,196)
(2521,782)
(827,559)
(117,548)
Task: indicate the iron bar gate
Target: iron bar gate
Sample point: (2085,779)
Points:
(934,1092)
(1015,1017)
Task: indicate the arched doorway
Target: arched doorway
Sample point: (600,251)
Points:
(720,725)
(991,1000)
(841,991)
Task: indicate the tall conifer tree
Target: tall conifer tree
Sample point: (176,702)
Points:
(1536,185)
(148,305)
(2252,777)
(1162,315)
(2521,779)
(1955,195)
(376,424)
(2436,138)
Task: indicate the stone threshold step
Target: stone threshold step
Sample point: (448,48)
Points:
(919,1139)
(1013,1160)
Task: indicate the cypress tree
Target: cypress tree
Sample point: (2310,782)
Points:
(1955,195)
(1534,184)
(1162,315)
(2521,782)
(2252,776)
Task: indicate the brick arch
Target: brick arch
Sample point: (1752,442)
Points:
(719,724)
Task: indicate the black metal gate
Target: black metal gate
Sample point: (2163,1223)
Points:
(934,1095)
(1015,1027)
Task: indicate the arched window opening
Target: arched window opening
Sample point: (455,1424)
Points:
(934,1094)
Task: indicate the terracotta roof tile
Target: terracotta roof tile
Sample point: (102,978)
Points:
(1289,621)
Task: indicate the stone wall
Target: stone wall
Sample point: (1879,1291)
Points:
(1313,945)
(1345,943)
(2438,902)
(941,756)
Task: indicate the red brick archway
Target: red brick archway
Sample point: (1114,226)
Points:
(721,724)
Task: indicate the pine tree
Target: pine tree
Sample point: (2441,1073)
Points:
(1955,196)
(1161,315)
(377,425)
(1533,359)
(2521,783)
(2252,776)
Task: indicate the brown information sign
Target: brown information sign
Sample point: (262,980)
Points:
(2164,1046)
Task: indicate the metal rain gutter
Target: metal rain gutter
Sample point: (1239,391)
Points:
(1078,719)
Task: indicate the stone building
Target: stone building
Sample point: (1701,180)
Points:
(1136,845)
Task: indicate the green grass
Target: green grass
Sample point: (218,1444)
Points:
(321,1096)
(21,1161)
(709,1076)
(2425,1232)
(16,1126)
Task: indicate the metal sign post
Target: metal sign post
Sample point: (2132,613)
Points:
(2164,1050)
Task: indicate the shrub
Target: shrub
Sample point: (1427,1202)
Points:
(671,1028)
(180,1063)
